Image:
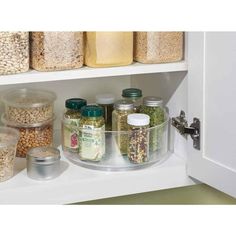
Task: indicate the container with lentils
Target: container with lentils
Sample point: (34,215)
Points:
(14,52)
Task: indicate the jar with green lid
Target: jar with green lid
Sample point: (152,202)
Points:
(92,133)
(106,101)
(122,109)
(153,106)
(134,95)
(70,124)
(138,138)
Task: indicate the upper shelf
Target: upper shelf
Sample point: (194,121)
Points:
(86,72)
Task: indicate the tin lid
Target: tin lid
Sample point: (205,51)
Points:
(138,119)
(92,111)
(124,105)
(75,103)
(152,101)
(131,92)
(43,155)
(106,98)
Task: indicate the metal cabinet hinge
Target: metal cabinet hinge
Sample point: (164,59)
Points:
(181,124)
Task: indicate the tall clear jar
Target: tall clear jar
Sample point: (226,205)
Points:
(104,49)
(153,106)
(138,140)
(134,95)
(51,51)
(70,124)
(92,134)
(158,47)
(122,109)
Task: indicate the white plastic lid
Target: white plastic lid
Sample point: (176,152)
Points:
(138,119)
(106,98)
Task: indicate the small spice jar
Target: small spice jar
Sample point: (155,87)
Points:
(106,101)
(153,106)
(70,124)
(134,95)
(122,109)
(138,141)
(92,133)
(43,163)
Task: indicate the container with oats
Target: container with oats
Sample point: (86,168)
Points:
(14,52)
(158,47)
(51,51)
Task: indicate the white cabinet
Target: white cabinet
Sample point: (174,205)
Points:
(203,85)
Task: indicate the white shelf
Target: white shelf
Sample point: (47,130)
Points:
(77,184)
(86,72)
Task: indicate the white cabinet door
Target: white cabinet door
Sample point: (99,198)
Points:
(212,99)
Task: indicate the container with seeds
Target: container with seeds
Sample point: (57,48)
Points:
(158,47)
(8,141)
(134,95)
(28,106)
(138,140)
(52,51)
(32,135)
(122,109)
(14,52)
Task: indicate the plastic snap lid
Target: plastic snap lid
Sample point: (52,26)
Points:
(152,101)
(131,92)
(75,103)
(92,111)
(138,119)
(106,98)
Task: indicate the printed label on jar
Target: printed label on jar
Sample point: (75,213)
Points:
(92,143)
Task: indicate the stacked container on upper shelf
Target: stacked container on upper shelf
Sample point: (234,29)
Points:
(14,52)
(158,47)
(104,49)
(51,51)
(31,112)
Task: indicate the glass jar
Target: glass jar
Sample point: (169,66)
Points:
(122,109)
(153,106)
(92,133)
(158,47)
(70,124)
(138,139)
(51,51)
(134,95)
(104,49)
(106,101)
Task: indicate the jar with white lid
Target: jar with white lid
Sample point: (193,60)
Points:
(138,140)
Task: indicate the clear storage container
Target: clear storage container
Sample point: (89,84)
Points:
(33,135)
(134,95)
(28,106)
(14,52)
(52,51)
(104,49)
(158,47)
(8,141)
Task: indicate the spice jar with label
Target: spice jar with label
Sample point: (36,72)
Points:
(138,139)
(122,109)
(70,124)
(106,101)
(153,106)
(92,133)
(134,95)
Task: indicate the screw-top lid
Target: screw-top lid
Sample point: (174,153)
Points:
(152,101)
(75,103)
(92,111)
(131,92)
(106,98)
(138,119)
(124,105)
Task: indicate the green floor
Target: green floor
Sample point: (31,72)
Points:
(197,194)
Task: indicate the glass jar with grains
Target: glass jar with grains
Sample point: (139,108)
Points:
(138,140)
(134,95)
(92,133)
(70,124)
(153,106)
(122,109)
(106,101)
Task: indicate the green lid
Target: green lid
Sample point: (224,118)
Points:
(92,111)
(131,92)
(75,103)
